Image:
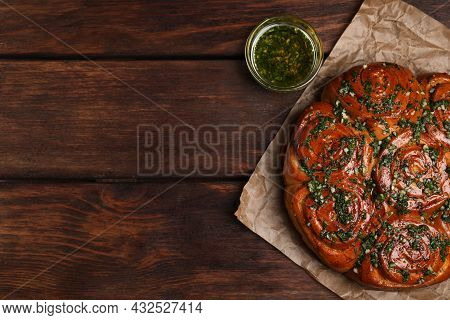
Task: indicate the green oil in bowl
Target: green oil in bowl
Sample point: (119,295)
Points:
(284,53)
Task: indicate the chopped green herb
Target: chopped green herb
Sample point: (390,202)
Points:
(439,105)
(420,127)
(415,244)
(342,203)
(361,126)
(327,234)
(322,125)
(367,243)
(428,272)
(386,226)
(416,231)
(378,145)
(367,87)
(374,259)
(440,243)
(344,235)
(387,104)
(402,201)
(386,160)
(305,168)
(403,123)
(405,275)
(433,153)
(430,186)
(284,56)
(389,246)
(348,144)
(316,190)
(445,209)
(346,88)
(446,124)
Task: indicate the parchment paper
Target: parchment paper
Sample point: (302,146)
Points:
(382,30)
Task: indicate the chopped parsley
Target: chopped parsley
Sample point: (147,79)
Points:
(442,244)
(387,159)
(405,275)
(439,105)
(344,235)
(346,88)
(430,187)
(378,145)
(316,189)
(428,272)
(387,227)
(387,104)
(402,201)
(367,243)
(374,259)
(445,209)
(284,56)
(415,231)
(446,124)
(361,126)
(389,246)
(420,126)
(342,203)
(305,168)
(340,112)
(403,123)
(349,145)
(367,87)
(432,153)
(327,234)
(321,126)
(415,244)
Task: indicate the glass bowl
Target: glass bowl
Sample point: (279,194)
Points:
(308,32)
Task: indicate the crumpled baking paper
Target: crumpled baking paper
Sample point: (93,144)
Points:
(382,30)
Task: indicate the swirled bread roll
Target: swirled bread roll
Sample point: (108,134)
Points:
(367,176)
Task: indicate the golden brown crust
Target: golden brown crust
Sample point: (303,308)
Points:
(366,177)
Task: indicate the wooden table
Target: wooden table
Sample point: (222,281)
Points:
(77,78)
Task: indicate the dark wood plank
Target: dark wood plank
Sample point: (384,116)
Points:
(185,244)
(74,120)
(155,28)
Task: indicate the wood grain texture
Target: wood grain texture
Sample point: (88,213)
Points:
(185,244)
(75,120)
(163,28)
